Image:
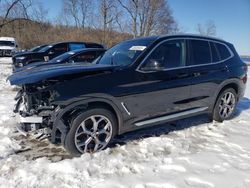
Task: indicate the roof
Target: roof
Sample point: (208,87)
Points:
(193,36)
(154,38)
(62,42)
(7,39)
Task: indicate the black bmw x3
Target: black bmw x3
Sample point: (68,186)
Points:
(135,84)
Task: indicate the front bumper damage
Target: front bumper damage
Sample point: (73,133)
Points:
(28,122)
(32,125)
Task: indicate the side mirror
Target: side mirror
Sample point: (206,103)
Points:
(153,65)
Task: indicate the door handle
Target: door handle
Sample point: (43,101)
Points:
(224,69)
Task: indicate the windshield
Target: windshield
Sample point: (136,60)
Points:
(7,43)
(44,49)
(124,53)
(62,57)
(37,48)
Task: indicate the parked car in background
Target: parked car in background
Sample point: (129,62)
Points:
(8,46)
(34,49)
(37,48)
(76,56)
(49,52)
(135,84)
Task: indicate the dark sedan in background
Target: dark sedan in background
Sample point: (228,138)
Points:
(76,56)
(49,52)
(37,48)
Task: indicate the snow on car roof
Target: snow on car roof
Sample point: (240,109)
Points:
(7,39)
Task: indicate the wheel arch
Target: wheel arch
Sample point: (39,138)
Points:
(61,120)
(231,83)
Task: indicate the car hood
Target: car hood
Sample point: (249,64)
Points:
(33,65)
(19,54)
(37,74)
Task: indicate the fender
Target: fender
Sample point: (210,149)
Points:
(235,81)
(81,103)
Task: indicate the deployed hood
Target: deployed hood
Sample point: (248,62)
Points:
(37,74)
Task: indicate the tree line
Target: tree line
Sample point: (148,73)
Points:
(103,21)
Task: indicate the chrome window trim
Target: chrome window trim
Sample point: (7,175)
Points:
(185,38)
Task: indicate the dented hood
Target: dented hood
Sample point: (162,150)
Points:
(35,75)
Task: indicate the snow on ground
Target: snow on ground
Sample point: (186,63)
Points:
(190,153)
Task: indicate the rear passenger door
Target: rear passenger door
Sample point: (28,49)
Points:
(208,71)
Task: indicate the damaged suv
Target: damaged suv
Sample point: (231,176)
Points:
(136,84)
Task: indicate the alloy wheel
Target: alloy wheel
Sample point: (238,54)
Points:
(227,105)
(93,134)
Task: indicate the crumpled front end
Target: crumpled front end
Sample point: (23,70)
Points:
(33,108)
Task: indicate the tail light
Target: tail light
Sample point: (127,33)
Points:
(245,67)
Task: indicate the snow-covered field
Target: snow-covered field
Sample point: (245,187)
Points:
(190,153)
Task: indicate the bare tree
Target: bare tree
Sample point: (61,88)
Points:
(78,10)
(109,15)
(149,17)
(39,13)
(208,29)
(13,10)
(132,8)
(85,8)
(70,8)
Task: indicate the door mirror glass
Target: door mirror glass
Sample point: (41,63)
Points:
(153,65)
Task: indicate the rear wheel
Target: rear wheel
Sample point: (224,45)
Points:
(91,131)
(225,105)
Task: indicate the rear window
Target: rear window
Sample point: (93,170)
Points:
(93,45)
(223,51)
(200,52)
(76,46)
(215,53)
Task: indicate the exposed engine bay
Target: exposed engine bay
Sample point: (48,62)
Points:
(34,108)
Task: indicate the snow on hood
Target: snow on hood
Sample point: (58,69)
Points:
(37,74)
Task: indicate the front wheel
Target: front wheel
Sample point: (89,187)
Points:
(91,131)
(225,105)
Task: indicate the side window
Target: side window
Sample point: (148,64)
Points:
(224,53)
(59,48)
(215,53)
(84,57)
(93,45)
(170,54)
(76,46)
(200,52)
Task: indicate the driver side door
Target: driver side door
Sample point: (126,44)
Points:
(163,82)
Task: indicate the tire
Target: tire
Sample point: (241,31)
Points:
(84,137)
(219,112)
